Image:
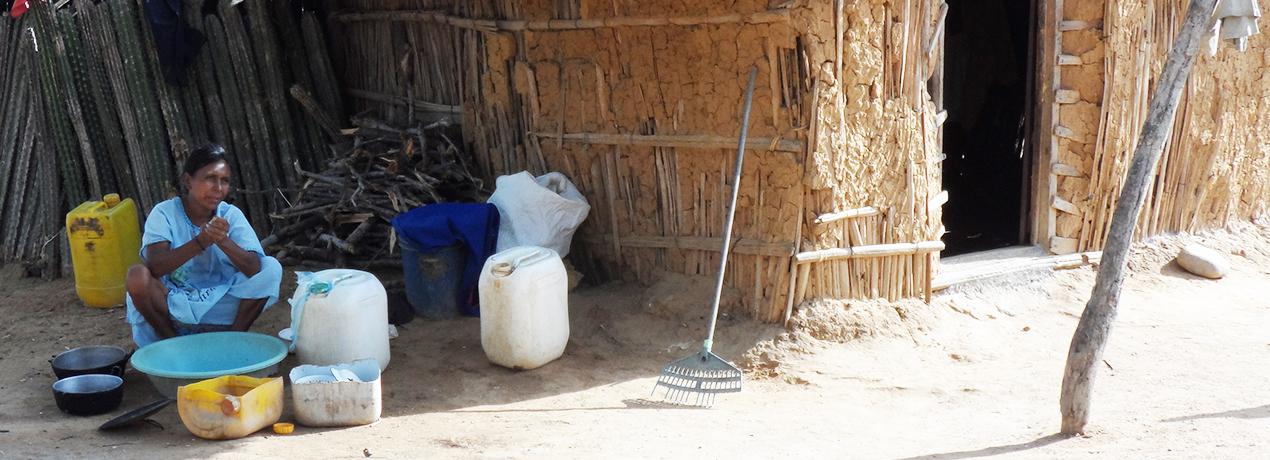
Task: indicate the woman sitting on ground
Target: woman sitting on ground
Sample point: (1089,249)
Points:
(202,268)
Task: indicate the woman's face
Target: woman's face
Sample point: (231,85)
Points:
(209,185)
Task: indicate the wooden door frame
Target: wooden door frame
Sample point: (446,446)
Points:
(1045,120)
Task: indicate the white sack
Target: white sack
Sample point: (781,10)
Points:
(543,211)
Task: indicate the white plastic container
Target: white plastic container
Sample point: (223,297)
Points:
(524,307)
(340,316)
(322,399)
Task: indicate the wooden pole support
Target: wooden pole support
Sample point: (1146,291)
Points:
(1084,356)
(939,29)
(869,251)
(1064,170)
(839,29)
(698,141)
(867,211)
(1068,26)
(1066,96)
(930,279)
(703,243)
(936,202)
(1064,205)
(789,301)
(1065,132)
(1068,59)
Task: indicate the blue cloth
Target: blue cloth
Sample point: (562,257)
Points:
(207,289)
(435,226)
(177,43)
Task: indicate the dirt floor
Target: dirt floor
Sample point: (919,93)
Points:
(974,375)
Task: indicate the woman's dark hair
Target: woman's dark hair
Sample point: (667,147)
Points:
(201,156)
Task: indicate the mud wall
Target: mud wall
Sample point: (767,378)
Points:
(643,115)
(875,145)
(656,205)
(1214,168)
(638,102)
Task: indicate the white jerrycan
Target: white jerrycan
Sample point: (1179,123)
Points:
(524,307)
(340,316)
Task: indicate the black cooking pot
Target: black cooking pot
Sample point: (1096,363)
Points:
(98,359)
(88,394)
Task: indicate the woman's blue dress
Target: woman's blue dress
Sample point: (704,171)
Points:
(204,293)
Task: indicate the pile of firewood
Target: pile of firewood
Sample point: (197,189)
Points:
(342,214)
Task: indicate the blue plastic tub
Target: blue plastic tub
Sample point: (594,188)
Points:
(433,279)
(192,358)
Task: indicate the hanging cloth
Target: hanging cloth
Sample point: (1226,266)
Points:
(1236,21)
(435,226)
(178,43)
(19,7)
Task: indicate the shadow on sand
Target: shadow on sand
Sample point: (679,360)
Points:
(995,450)
(1249,413)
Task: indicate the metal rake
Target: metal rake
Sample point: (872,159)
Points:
(696,380)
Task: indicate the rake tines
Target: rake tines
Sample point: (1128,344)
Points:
(696,380)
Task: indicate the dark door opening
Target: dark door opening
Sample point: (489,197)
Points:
(987,82)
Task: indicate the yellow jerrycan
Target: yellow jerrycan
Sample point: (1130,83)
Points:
(105,240)
(229,407)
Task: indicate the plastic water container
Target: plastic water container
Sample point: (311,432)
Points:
(524,307)
(229,407)
(340,395)
(105,240)
(340,316)
(432,279)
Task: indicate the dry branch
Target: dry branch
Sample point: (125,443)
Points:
(343,213)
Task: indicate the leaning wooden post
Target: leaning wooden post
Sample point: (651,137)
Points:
(1095,323)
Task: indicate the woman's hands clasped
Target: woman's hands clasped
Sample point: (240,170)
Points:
(213,232)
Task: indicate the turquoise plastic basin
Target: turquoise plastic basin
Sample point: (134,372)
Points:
(192,358)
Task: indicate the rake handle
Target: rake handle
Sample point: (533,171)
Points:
(727,224)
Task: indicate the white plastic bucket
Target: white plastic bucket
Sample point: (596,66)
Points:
(322,399)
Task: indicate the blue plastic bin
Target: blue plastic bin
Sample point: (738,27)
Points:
(433,279)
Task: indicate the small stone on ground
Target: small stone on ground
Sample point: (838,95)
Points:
(1203,261)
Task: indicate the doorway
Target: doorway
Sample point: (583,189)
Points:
(987,87)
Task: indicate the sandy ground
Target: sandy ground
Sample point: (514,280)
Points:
(974,375)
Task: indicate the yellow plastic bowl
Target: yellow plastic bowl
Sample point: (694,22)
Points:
(283,428)
(229,407)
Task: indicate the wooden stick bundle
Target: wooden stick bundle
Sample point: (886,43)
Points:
(342,214)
